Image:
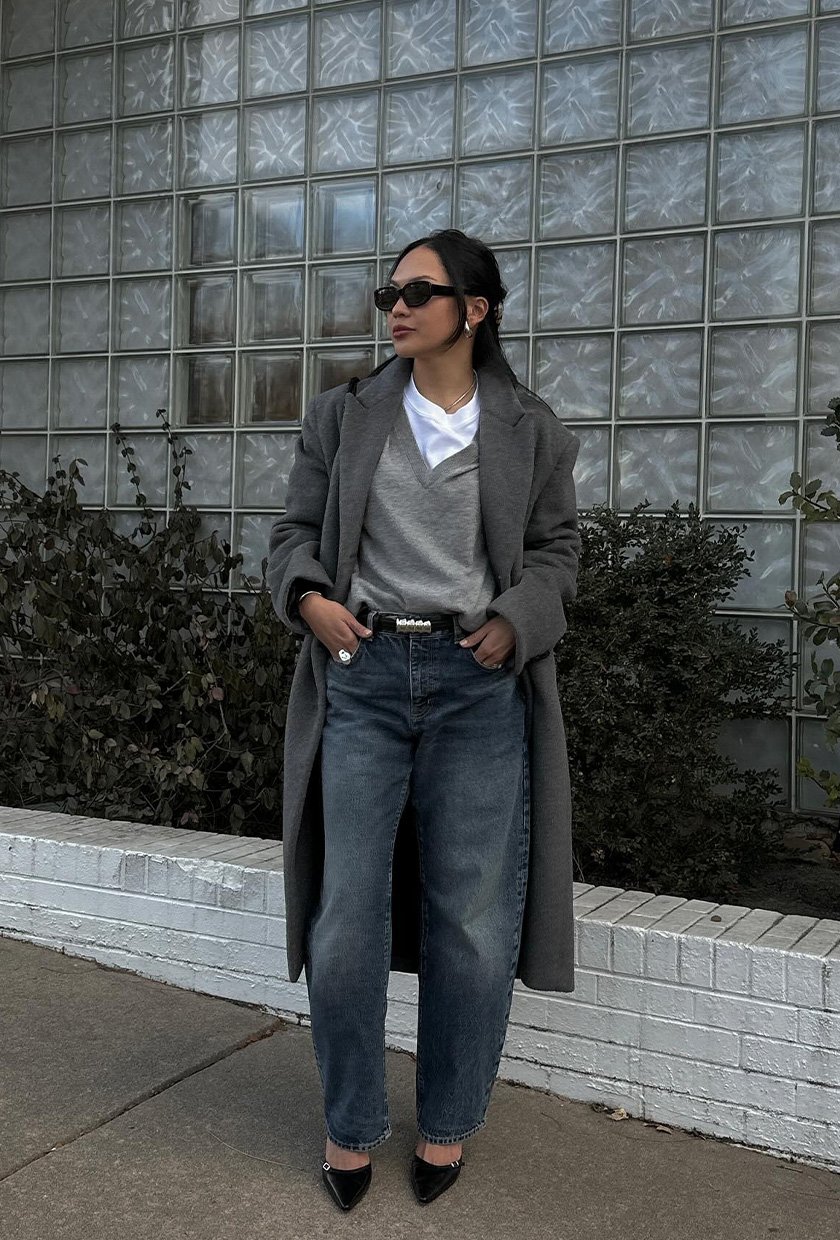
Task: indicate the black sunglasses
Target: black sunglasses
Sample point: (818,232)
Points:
(413,293)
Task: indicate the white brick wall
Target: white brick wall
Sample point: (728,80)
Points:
(712,1017)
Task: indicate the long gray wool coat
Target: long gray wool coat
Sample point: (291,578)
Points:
(529,513)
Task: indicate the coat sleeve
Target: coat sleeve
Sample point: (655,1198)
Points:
(295,537)
(535,605)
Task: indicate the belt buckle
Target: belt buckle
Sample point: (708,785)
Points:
(412,624)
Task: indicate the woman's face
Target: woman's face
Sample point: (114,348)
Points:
(433,323)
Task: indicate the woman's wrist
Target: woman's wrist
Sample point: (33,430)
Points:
(306,594)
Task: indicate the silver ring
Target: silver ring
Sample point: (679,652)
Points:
(344,655)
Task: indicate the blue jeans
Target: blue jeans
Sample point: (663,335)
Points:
(417,714)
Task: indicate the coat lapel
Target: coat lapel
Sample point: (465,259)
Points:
(505,461)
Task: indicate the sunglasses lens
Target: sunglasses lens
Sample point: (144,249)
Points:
(416,293)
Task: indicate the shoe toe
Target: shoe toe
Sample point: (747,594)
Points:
(347,1187)
(430,1180)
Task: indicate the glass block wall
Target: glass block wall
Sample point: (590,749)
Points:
(198,197)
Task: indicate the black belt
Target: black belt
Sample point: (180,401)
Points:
(408,622)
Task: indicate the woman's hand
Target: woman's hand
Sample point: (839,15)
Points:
(332,623)
(495,640)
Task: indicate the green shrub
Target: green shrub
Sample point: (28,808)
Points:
(648,675)
(133,686)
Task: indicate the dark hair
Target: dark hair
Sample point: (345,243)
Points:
(474,271)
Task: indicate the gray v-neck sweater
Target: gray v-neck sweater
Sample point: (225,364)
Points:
(422,545)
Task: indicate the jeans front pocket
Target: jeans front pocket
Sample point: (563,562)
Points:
(484,665)
(354,655)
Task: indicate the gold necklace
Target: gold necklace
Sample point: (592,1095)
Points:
(446,408)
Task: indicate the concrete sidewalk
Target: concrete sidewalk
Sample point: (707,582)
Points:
(130,1110)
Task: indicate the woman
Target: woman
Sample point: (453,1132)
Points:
(432,584)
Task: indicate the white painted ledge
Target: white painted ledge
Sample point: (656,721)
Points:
(718,1018)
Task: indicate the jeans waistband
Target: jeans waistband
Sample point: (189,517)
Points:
(408,622)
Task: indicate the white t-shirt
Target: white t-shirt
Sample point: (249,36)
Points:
(438,433)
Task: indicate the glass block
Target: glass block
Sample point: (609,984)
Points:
(260,8)
(575,286)
(660,374)
(497,30)
(822,457)
(27,456)
(82,241)
(274,222)
(420,122)
(749,466)
(26,171)
(209,469)
(763,75)
(251,542)
(273,306)
(329,367)
(151,457)
(414,202)
(143,239)
(669,88)
(144,157)
(28,27)
(345,131)
(826,165)
(494,200)
(27,96)
(210,68)
(820,556)
(825,269)
(581,23)
(754,371)
(346,46)
(657,464)
(592,468)
(419,37)
(208,148)
(205,389)
(85,21)
(90,448)
(84,88)
(737,12)
(516,354)
(139,17)
(665,183)
(515,269)
(205,12)
(654,19)
(25,245)
(142,311)
(275,140)
(580,100)
(497,111)
(813,744)
(146,77)
(828,66)
(663,279)
(573,375)
(271,386)
(84,163)
(771,571)
(80,392)
(24,320)
(207,310)
(262,467)
(829,6)
(760,173)
(81,317)
(756,273)
(344,217)
(140,386)
(23,395)
(208,230)
(276,57)
(342,300)
(762,744)
(578,193)
(823,352)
